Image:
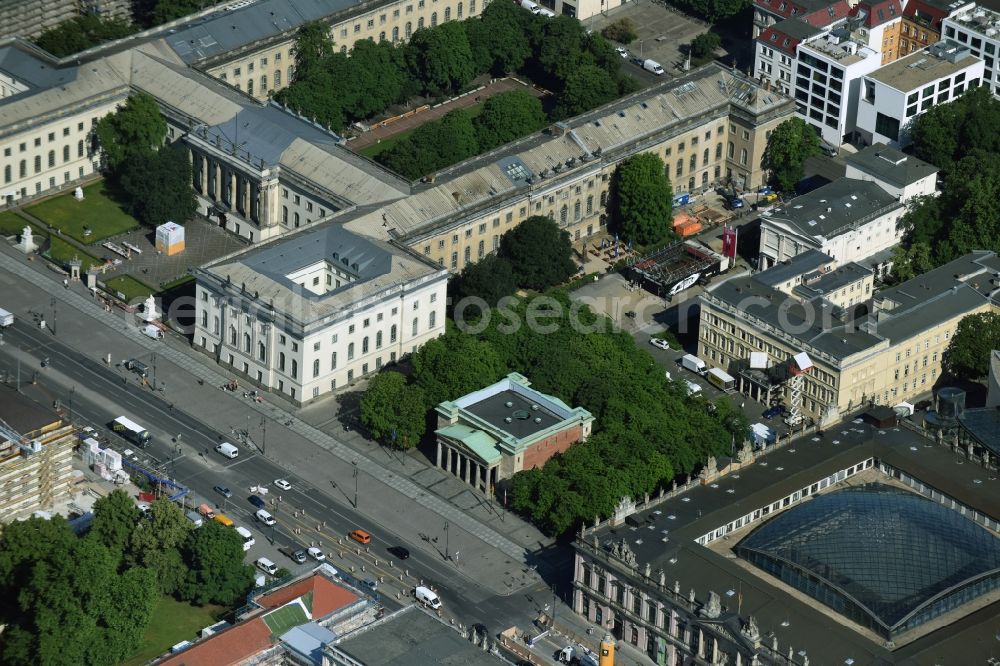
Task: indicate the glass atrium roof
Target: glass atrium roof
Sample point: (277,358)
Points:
(889,553)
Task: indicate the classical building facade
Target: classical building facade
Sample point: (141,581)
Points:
(310,314)
(36,456)
(495,432)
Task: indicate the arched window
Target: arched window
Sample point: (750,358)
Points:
(6,174)
(204,319)
(693,163)
(295,369)
(296,220)
(232,335)
(563,214)
(364,345)
(65,153)
(408,30)
(743,155)
(246,342)
(416,326)
(434,19)
(704,178)
(447,13)
(381,36)
(432,319)
(281,361)
(482,248)
(263,85)
(576,211)
(24,169)
(732,150)
(316,368)
(250,87)
(277,78)
(52,158)
(590,204)
(350,352)
(378,340)
(392,334)
(472,6)
(79,148)
(395,34)
(460,8)
(38,163)
(718,151)
(704,158)
(215,328)
(420,23)
(284,214)
(261,352)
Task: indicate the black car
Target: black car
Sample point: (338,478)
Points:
(225,492)
(294,553)
(399,552)
(257,501)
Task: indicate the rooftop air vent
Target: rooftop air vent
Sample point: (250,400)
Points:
(508,420)
(538,419)
(534,408)
(508,404)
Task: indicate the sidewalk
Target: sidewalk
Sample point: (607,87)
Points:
(394,501)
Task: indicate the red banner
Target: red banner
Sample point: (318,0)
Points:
(729,242)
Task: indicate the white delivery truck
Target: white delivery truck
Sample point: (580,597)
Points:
(427,597)
(694,364)
(721,380)
(227,450)
(131,431)
(652,66)
(530,6)
(6,318)
(247,536)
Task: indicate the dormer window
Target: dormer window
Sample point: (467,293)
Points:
(774,37)
(782,6)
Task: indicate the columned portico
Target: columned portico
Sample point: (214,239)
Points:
(467,466)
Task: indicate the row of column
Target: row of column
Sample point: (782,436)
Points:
(215,180)
(477,475)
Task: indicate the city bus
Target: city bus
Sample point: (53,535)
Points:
(721,380)
(131,431)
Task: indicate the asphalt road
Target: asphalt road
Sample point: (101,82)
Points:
(183,448)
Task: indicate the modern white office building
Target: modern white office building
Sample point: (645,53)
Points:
(311,313)
(978,28)
(893,96)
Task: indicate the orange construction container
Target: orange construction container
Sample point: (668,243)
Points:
(682,218)
(688,228)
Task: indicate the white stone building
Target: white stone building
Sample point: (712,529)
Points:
(309,314)
(893,96)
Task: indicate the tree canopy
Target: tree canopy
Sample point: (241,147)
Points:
(789,145)
(149,13)
(393,414)
(968,353)
(491,278)
(135,128)
(713,10)
(643,200)
(705,44)
(508,116)
(622,30)
(158,186)
(81,33)
(213,555)
(442,58)
(945,133)
(539,252)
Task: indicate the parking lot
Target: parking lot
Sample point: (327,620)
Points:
(662,31)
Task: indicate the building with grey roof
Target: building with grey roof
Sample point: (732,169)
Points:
(493,433)
(847,219)
(666,576)
(408,637)
(882,347)
(902,176)
(313,312)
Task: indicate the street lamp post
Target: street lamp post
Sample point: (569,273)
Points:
(71,392)
(53,302)
(263,436)
(355,463)
(446,540)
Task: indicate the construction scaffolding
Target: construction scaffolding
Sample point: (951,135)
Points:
(674,268)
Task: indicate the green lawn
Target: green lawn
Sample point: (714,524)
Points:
(173,621)
(98,212)
(129,286)
(61,252)
(285,618)
(179,282)
(371,151)
(11,223)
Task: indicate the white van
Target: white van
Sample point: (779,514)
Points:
(267,566)
(425,596)
(228,450)
(692,388)
(247,537)
(264,517)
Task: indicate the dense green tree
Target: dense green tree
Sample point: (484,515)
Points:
(169,10)
(561,50)
(491,278)
(394,413)
(705,44)
(622,30)
(433,146)
(24,543)
(501,39)
(508,116)
(945,133)
(313,46)
(156,544)
(316,97)
(449,367)
(375,77)
(158,186)
(136,128)
(789,145)
(81,33)
(585,88)
(441,58)
(713,10)
(216,573)
(969,351)
(642,200)
(539,253)
(115,518)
